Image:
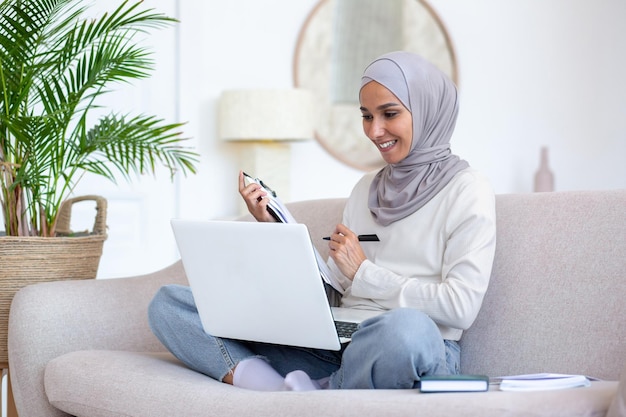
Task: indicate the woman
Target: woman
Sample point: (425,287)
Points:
(435,217)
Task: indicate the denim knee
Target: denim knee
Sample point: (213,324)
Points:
(165,302)
(392,350)
(403,330)
(155,308)
(174,320)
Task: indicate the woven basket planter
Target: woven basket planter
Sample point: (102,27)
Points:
(31,260)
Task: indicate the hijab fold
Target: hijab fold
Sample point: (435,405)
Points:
(398,190)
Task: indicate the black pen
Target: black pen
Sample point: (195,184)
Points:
(362,238)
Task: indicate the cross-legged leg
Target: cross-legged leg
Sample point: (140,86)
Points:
(174,319)
(394,350)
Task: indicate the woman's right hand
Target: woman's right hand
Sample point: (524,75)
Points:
(346,251)
(256,200)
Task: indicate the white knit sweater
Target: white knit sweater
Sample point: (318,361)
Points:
(437,260)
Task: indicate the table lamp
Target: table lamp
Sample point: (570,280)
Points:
(264,123)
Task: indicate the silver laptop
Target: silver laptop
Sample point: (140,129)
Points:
(259,282)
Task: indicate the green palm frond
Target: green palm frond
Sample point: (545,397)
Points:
(54,66)
(129,144)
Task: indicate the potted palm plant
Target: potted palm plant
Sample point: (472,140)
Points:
(55,65)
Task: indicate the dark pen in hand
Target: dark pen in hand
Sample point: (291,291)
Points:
(362,238)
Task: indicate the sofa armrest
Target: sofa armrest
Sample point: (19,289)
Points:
(50,319)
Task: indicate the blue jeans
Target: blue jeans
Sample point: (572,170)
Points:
(392,350)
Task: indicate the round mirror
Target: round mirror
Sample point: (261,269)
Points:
(337,41)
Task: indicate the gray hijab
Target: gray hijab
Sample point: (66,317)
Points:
(399,190)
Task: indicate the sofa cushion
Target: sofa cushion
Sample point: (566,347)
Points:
(618,406)
(116,383)
(556,291)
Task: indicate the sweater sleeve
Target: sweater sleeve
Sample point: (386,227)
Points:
(454,298)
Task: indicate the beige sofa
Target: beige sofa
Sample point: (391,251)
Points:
(556,303)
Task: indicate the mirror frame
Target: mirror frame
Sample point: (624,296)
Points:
(347,143)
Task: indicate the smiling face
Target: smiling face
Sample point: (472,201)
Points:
(386,121)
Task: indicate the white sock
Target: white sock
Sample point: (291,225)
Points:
(256,374)
(300,381)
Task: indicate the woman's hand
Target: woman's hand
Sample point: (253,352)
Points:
(346,251)
(256,200)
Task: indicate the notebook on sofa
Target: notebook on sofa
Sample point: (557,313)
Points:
(260,282)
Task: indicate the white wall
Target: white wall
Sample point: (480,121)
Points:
(243,44)
(532,73)
(536,73)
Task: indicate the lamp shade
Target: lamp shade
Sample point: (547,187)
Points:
(265,115)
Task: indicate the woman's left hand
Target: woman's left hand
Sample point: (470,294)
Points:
(256,200)
(346,251)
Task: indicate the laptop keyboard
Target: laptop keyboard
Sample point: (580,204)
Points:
(346,328)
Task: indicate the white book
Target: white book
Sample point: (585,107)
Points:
(541,382)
